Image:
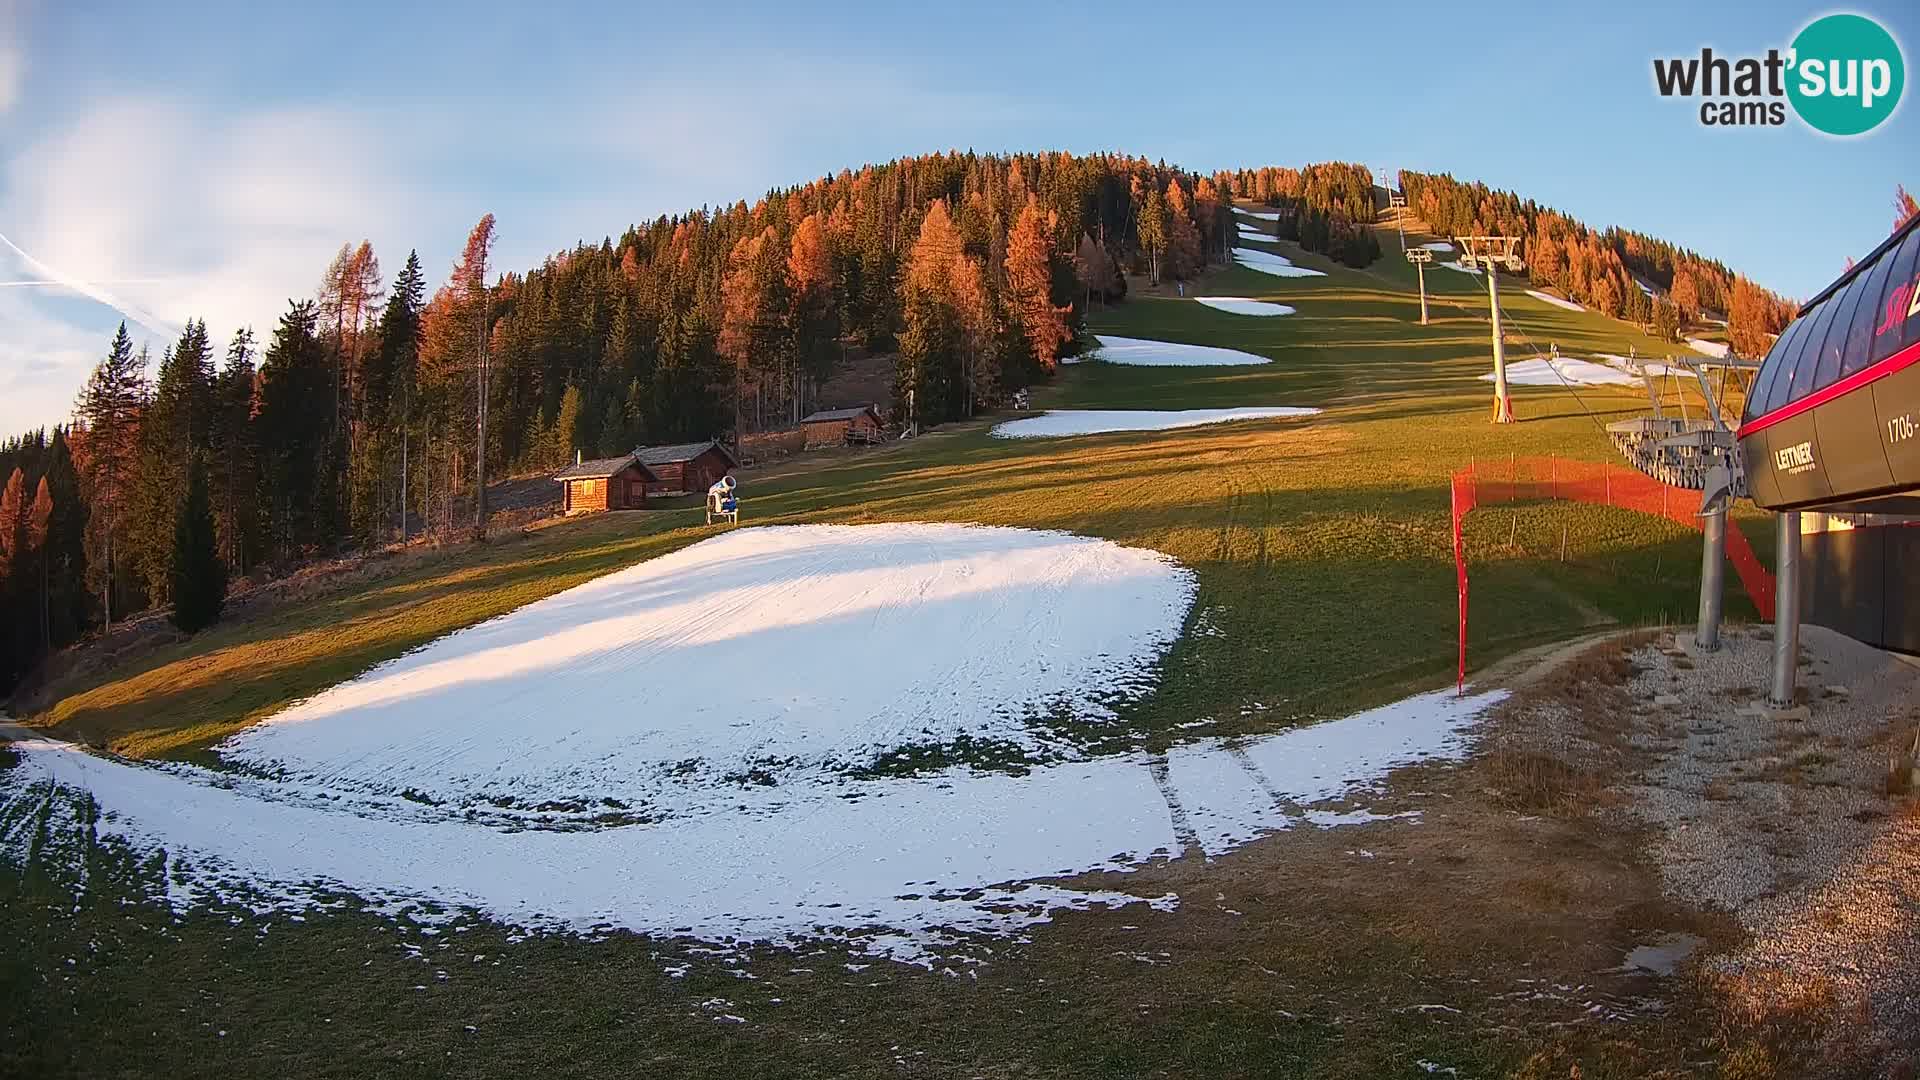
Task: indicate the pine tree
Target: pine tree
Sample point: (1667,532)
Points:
(66,547)
(233,462)
(1151,228)
(110,406)
(297,462)
(1666,319)
(18,575)
(469,285)
(198,580)
(1183,240)
(1905,207)
(39,579)
(175,429)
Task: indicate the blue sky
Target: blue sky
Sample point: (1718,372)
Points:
(207,159)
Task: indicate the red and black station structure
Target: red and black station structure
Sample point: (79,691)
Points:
(1831,435)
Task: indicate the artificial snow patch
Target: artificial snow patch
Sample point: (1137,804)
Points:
(1243,305)
(1269,263)
(1438,245)
(765,656)
(1463,268)
(1563,372)
(1261,215)
(1250,232)
(1549,298)
(1634,364)
(1715,349)
(1060,422)
(1143,352)
(894,865)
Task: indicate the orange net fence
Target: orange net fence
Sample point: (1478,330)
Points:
(1532,479)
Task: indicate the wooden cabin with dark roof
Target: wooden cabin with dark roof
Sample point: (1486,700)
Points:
(837,427)
(616,483)
(685,468)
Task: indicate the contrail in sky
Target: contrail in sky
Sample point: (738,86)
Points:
(94,292)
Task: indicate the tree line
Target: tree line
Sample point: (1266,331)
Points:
(1328,208)
(376,409)
(1621,273)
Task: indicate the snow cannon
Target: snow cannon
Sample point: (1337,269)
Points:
(722,502)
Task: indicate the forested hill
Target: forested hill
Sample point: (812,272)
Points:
(358,417)
(1604,270)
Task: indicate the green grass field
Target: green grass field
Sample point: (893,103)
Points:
(1326,584)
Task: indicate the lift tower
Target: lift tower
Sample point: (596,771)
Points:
(1491,253)
(1420,257)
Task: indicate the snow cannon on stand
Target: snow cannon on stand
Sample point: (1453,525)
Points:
(722,502)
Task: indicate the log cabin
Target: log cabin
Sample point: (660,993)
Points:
(618,483)
(837,427)
(685,468)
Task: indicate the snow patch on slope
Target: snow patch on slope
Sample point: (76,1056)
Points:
(1059,422)
(1144,352)
(1243,305)
(1269,263)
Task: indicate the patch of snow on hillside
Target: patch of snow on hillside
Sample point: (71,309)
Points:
(1715,349)
(1242,305)
(1564,371)
(1059,422)
(1269,263)
(1144,352)
(1556,301)
(893,865)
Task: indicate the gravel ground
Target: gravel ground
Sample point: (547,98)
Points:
(1786,823)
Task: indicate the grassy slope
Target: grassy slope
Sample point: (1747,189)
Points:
(1323,556)
(1322,545)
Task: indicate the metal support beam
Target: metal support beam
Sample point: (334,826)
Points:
(1502,404)
(1786,609)
(1491,253)
(1713,575)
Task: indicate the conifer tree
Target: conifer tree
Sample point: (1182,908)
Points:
(1183,240)
(296,444)
(110,406)
(1151,229)
(198,579)
(175,429)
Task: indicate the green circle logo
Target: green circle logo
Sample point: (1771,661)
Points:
(1847,74)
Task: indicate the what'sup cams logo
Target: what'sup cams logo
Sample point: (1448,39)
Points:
(1842,75)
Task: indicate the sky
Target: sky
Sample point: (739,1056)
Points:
(160,162)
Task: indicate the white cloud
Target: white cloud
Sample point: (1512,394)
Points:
(173,209)
(13,58)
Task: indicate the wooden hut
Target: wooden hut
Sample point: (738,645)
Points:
(618,483)
(837,427)
(686,468)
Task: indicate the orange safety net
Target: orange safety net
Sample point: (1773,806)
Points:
(1532,479)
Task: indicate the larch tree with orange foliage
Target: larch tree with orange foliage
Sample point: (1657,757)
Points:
(753,337)
(814,319)
(946,346)
(469,285)
(1183,240)
(1754,317)
(1030,282)
(1685,295)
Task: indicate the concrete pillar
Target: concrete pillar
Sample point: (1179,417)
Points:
(1713,574)
(1786,609)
